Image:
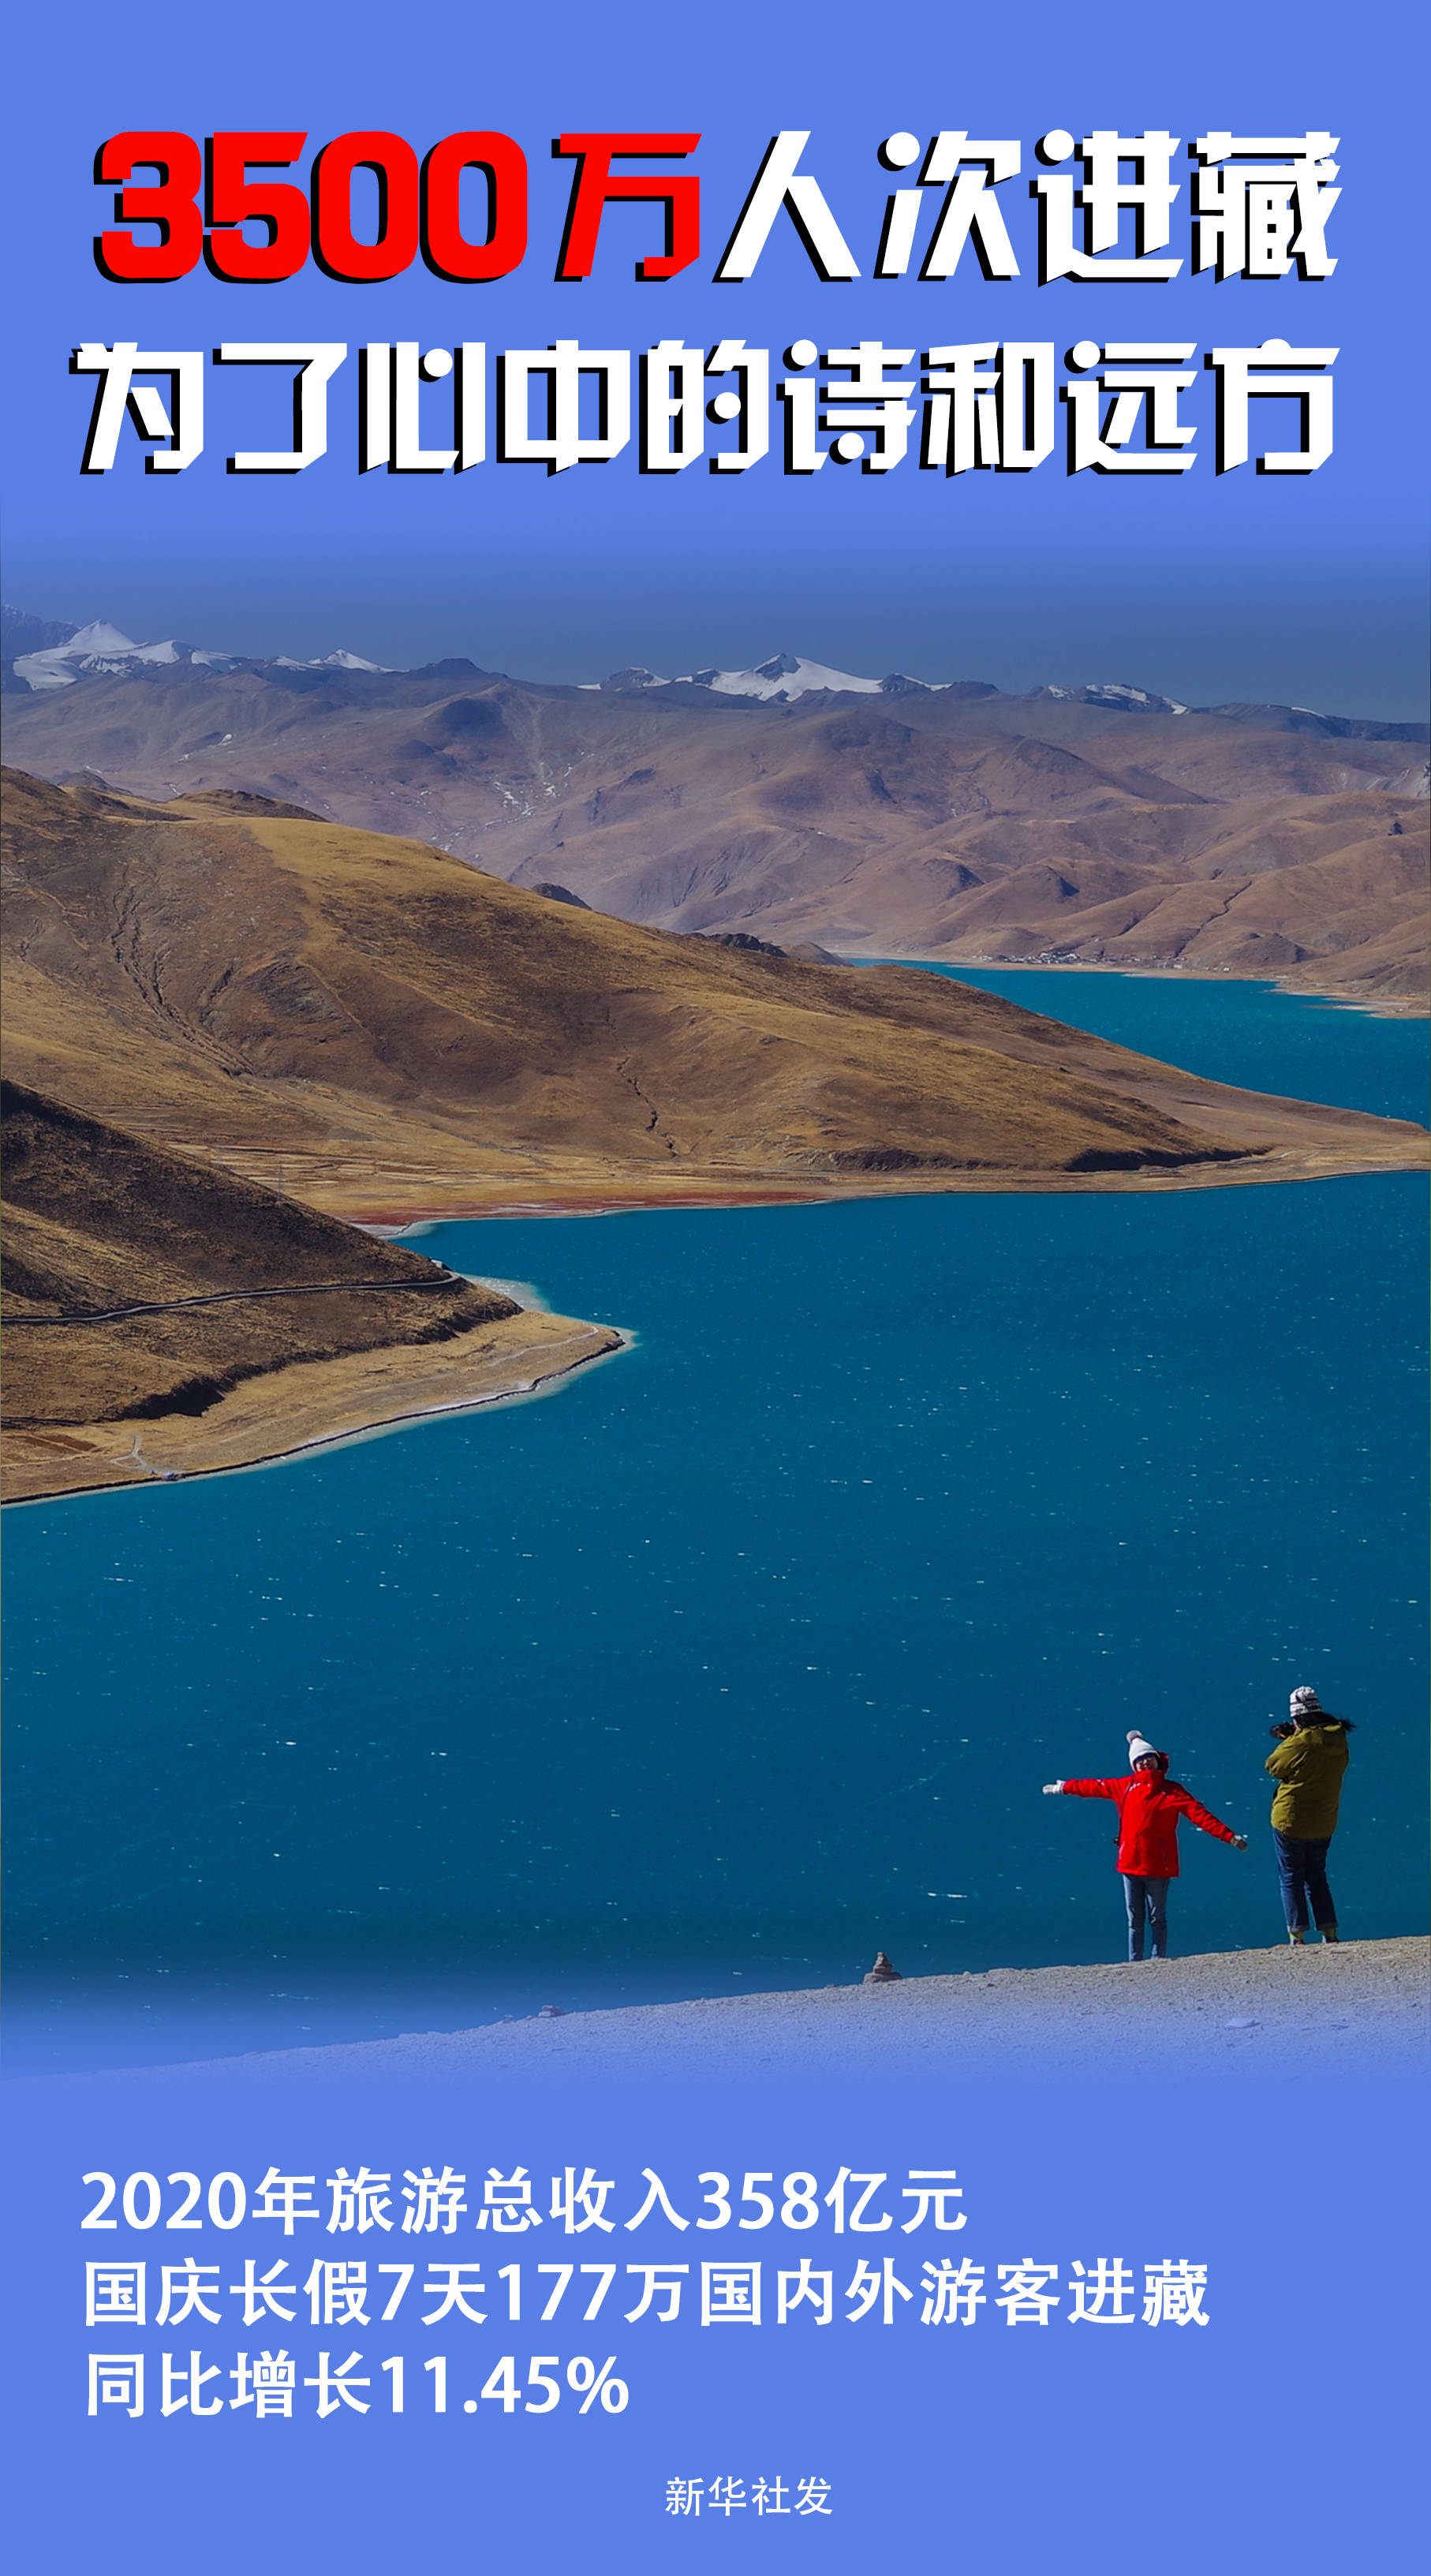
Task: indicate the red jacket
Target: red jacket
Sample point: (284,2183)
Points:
(1148,1810)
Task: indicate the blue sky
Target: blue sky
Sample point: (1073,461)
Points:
(1301,588)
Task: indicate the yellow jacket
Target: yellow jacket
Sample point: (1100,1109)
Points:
(1308,1768)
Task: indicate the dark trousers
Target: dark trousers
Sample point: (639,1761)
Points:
(1146,1896)
(1302,1869)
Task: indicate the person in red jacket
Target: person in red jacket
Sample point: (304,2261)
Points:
(1149,1805)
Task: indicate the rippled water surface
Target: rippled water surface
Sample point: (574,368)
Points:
(748,1652)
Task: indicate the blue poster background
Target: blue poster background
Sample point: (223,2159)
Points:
(1294,2412)
(1301,588)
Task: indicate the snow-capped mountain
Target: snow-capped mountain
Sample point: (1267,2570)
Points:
(99,649)
(339,661)
(787,676)
(41,656)
(784,677)
(1117,694)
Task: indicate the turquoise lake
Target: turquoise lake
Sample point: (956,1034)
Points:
(747,1653)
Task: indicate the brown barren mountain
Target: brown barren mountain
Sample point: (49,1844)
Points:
(383,1031)
(963,824)
(270,1325)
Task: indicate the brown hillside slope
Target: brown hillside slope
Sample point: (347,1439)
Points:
(877,825)
(380,1029)
(96,1219)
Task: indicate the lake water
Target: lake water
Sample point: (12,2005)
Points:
(747,1653)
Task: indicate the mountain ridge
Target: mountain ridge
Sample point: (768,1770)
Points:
(377,1029)
(96,647)
(1091,826)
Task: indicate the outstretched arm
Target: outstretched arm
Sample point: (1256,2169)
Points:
(1203,1817)
(1091,1788)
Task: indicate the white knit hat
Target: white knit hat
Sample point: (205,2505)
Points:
(1139,1748)
(1304,1702)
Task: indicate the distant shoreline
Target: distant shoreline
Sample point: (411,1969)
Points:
(1281,1165)
(1391,1006)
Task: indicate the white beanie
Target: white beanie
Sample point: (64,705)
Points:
(1304,1703)
(1139,1748)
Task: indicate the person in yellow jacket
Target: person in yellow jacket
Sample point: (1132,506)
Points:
(1308,1767)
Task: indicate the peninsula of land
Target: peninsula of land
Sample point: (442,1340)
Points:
(384,1032)
(165,1318)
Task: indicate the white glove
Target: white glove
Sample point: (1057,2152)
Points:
(1053,1788)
